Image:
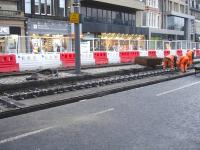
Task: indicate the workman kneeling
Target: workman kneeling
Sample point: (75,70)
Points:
(183,63)
(190,55)
(169,61)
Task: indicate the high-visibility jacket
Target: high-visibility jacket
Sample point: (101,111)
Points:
(190,55)
(182,63)
(169,61)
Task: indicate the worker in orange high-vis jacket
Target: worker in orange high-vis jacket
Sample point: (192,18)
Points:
(183,63)
(169,61)
(190,55)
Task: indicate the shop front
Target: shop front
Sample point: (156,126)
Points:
(48,36)
(10,39)
(115,42)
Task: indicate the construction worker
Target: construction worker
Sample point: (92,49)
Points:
(169,61)
(183,63)
(190,55)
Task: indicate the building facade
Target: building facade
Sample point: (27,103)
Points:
(12,25)
(167,20)
(47,25)
(195,11)
(109,16)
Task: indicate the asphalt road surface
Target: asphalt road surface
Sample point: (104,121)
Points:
(164,116)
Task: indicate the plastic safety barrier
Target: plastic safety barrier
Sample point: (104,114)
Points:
(87,59)
(8,63)
(179,52)
(197,53)
(129,56)
(160,53)
(166,52)
(67,59)
(152,53)
(30,62)
(51,61)
(100,58)
(113,57)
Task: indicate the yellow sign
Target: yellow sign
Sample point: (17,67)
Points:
(74,18)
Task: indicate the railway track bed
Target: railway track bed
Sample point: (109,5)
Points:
(30,100)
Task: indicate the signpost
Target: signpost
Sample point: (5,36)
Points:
(75,18)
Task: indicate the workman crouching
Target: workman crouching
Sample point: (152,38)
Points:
(183,63)
(190,55)
(169,61)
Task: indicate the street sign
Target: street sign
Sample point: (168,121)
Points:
(74,18)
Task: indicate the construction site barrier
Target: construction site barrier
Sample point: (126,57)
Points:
(87,59)
(67,59)
(100,58)
(51,61)
(113,57)
(166,52)
(8,63)
(29,62)
(197,52)
(152,53)
(129,56)
(179,52)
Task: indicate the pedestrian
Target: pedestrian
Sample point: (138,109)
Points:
(183,63)
(190,55)
(169,61)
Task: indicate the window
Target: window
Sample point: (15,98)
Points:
(109,16)
(37,7)
(48,7)
(89,12)
(28,6)
(144,19)
(104,15)
(42,7)
(62,8)
(100,14)
(126,19)
(94,13)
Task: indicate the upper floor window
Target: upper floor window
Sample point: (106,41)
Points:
(62,7)
(44,7)
(28,6)
(37,7)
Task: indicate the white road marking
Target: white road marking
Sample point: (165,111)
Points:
(103,112)
(11,139)
(24,135)
(180,88)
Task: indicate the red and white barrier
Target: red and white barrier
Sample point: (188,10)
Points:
(8,63)
(26,62)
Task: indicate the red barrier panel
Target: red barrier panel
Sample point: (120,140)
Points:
(128,57)
(166,52)
(67,59)
(152,53)
(197,53)
(179,52)
(101,58)
(8,63)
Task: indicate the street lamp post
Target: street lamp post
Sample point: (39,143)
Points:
(76,5)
